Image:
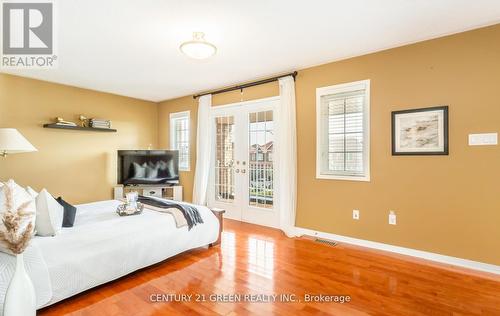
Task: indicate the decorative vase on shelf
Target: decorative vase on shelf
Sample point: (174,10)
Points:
(20,299)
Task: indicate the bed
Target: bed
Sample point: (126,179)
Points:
(102,247)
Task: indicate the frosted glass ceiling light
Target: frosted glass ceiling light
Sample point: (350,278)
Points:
(198,48)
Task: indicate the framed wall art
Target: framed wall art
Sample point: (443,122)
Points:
(420,131)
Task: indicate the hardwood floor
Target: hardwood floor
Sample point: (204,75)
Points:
(258,260)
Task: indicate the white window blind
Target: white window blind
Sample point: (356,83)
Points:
(343,134)
(179,137)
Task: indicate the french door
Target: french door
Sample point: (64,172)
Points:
(243,161)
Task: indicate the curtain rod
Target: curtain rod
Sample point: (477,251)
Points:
(247,85)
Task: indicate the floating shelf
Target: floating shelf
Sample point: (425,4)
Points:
(79,128)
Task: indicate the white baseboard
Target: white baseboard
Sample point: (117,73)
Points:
(474,265)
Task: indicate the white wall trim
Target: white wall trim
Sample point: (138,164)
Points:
(465,263)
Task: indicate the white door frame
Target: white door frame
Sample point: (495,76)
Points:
(241,209)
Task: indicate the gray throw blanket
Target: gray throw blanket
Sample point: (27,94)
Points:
(191,214)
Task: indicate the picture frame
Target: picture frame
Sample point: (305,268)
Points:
(422,131)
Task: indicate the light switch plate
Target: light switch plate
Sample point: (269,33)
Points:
(392,218)
(483,139)
(355,214)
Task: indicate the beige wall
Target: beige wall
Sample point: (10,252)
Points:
(445,204)
(78,165)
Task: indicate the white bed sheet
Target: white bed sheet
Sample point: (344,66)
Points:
(103,246)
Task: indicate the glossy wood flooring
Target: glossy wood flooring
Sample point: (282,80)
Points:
(257,260)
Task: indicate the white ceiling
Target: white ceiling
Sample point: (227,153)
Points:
(131,48)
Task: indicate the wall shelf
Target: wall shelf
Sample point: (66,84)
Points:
(80,128)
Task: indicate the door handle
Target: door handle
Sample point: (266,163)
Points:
(243,170)
(237,170)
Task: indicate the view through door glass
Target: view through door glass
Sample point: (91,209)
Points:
(224,159)
(260,157)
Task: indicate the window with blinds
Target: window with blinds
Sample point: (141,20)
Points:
(179,137)
(343,131)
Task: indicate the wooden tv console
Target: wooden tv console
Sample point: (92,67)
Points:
(172,192)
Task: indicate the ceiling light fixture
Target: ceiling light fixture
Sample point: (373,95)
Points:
(198,48)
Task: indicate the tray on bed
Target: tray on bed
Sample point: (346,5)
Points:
(123,211)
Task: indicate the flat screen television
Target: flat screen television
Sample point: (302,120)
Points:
(143,167)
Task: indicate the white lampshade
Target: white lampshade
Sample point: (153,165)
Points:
(198,48)
(12,142)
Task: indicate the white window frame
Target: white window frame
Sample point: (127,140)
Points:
(173,142)
(320,129)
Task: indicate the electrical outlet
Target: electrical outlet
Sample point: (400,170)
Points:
(392,218)
(355,214)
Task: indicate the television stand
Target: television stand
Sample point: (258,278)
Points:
(166,191)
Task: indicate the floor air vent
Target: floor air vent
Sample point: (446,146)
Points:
(326,242)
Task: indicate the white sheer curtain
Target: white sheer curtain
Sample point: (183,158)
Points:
(203,150)
(287,144)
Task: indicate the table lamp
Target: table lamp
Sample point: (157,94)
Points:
(12,142)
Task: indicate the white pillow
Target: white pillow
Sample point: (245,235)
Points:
(49,215)
(139,170)
(152,170)
(17,197)
(31,192)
